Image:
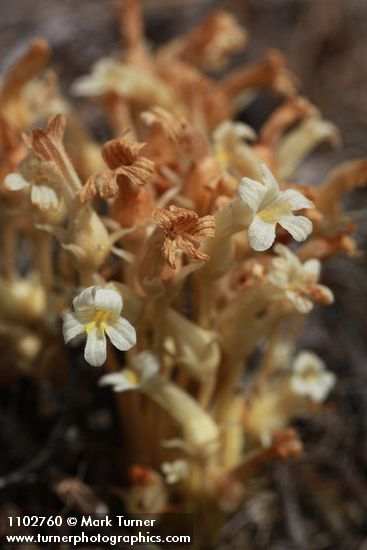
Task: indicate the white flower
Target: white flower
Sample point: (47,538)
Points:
(271,206)
(175,471)
(228,140)
(145,366)
(297,280)
(42,195)
(310,377)
(232,150)
(231,133)
(107,75)
(98,311)
(110,75)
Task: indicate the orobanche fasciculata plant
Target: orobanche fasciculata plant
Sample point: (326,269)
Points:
(182,242)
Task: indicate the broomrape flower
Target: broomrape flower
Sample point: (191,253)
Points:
(184,230)
(145,367)
(271,206)
(34,175)
(110,75)
(210,44)
(107,75)
(125,163)
(297,280)
(98,311)
(229,140)
(310,377)
(175,471)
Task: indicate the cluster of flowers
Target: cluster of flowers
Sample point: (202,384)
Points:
(165,238)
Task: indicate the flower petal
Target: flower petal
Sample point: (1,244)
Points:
(71,327)
(298,226)
(122,334)
(95,348)
(15,182)
(146,364)
(279,278)
(269,180)
(300,302)
(305,360)
(44,197)
(261,234)
(228,132)
(296,200)
(312,268)
(321,388)
(88,86)
(119,381)
(298,385)
(251,192)
(108,300)
(84,302)
(323,295)
(282,251)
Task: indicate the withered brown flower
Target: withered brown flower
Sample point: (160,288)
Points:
(184,230)
(171,126)
(124,164)
(47,146)
(45,142)
(271,72)
(210,44)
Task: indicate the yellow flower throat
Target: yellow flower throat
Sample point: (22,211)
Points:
(100,321)
(222,156)
(274,213)
(132,377)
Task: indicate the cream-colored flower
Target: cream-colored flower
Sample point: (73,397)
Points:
(271,206)
(311,378)
(175,471)
(145,366)
(297,280)
(228,140)
(34,176)
(110,75)
(233,151)
(107,75)
(233,132)
(97,311)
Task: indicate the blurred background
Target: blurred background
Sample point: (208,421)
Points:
(321,501)
(325,42)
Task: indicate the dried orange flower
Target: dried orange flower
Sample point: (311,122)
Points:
(24,69)
(210,44)
(160,118)
(184,230)
(284,117)
(43,142)
(271,72)
(47,146)
(124,163)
